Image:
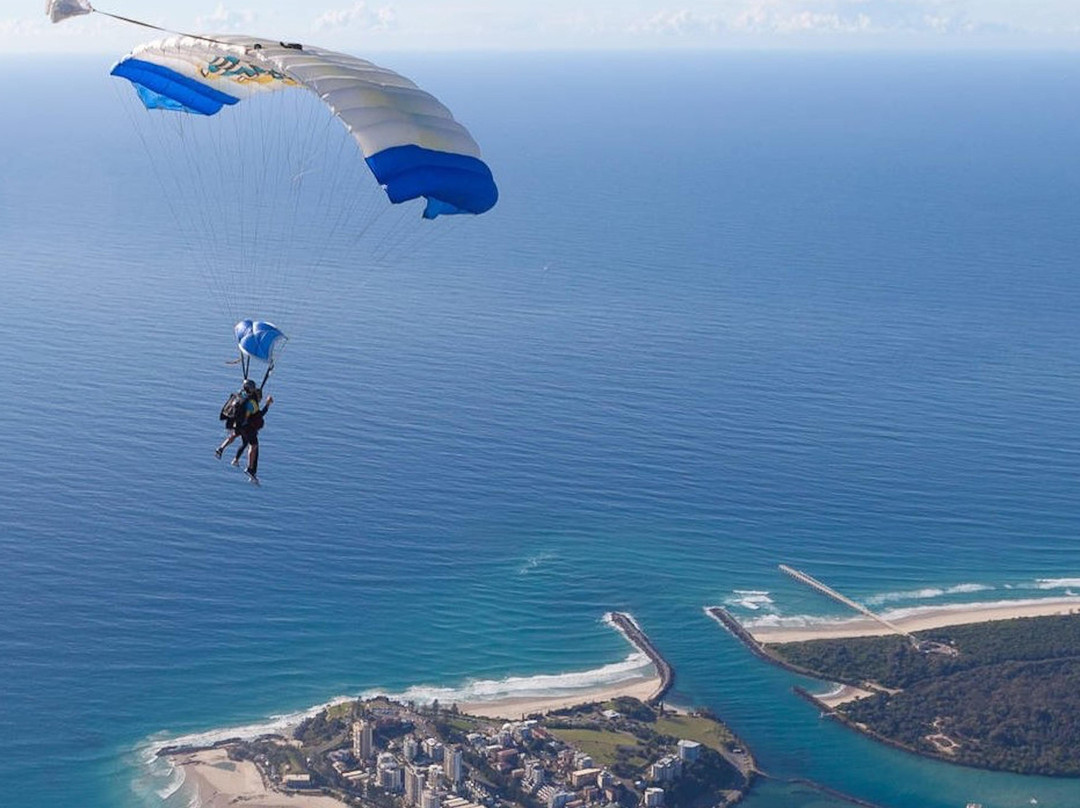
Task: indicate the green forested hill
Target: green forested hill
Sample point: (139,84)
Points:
(1008,699)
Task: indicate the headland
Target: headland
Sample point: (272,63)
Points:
(992,686)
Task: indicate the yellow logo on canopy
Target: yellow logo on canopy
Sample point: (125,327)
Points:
(231,67)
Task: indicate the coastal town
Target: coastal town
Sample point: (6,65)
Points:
(621,748)
(618,746)
(384,754)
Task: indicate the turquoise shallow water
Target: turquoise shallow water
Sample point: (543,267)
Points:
(730,312)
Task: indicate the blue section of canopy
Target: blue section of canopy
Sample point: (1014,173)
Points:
(257,338)
(160,87)
(452,183)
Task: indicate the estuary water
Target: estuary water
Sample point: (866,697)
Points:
(731,311)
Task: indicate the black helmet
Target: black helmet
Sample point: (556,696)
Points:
(249,386)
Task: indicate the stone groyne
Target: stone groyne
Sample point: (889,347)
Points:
(625,624)
(724,618)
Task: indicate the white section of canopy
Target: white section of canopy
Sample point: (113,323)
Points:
(380,108)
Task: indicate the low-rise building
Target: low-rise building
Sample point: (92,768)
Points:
(583,777)
(654,797)
(296,781)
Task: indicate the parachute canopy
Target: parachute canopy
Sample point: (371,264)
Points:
(59,10)
(410,141)
(258,339)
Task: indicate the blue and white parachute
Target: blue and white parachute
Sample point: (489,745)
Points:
(258,340)
(277,164)
(411,142)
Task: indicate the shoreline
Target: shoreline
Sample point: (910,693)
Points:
(218,782)
(518,707)
(922,618)
(648,689)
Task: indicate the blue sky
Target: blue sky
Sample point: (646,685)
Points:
(360,25)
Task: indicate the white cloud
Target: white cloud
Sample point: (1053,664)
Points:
(15,27)
(786,17)
(683,22)
(359,16)
(225,19)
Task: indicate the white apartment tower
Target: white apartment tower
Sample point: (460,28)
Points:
(452,765)
(414,786)
(363,739)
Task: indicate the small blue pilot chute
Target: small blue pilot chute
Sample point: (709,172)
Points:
(257,339)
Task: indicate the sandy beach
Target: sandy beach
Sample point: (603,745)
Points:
(919,619)
(219,782)
(515,708)
(842,695)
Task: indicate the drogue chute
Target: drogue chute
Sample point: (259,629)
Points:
(259,340)
(58,10)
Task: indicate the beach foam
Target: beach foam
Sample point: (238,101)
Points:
(635,666)
(1057,583)
(752,599)
(925,593)
(777,621)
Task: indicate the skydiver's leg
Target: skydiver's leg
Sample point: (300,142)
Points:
(232,436)
(253,455)
(240,451)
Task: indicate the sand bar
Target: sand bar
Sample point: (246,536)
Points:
(918,619)
(842,695)
(217,782)
(514,708)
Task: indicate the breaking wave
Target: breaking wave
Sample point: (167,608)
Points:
(895,614)
(635,666)
(925,593)
(1057,583)
(752,599)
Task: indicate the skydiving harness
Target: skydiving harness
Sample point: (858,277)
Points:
(245,366)
(232,411)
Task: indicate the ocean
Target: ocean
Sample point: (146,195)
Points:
(732,310)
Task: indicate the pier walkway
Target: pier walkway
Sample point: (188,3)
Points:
(814,583)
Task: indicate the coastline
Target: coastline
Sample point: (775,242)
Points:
(213,780)
(921,618)
(518,707)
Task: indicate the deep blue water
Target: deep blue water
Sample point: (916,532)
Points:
(731,311)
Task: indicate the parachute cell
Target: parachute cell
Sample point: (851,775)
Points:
(410,141)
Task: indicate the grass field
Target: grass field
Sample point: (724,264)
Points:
(694,728)
(600,745)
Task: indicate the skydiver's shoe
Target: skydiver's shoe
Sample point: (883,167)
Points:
(252,475)
(217,452)
(235,461)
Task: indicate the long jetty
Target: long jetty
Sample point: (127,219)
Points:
(814,583)
(625,624)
